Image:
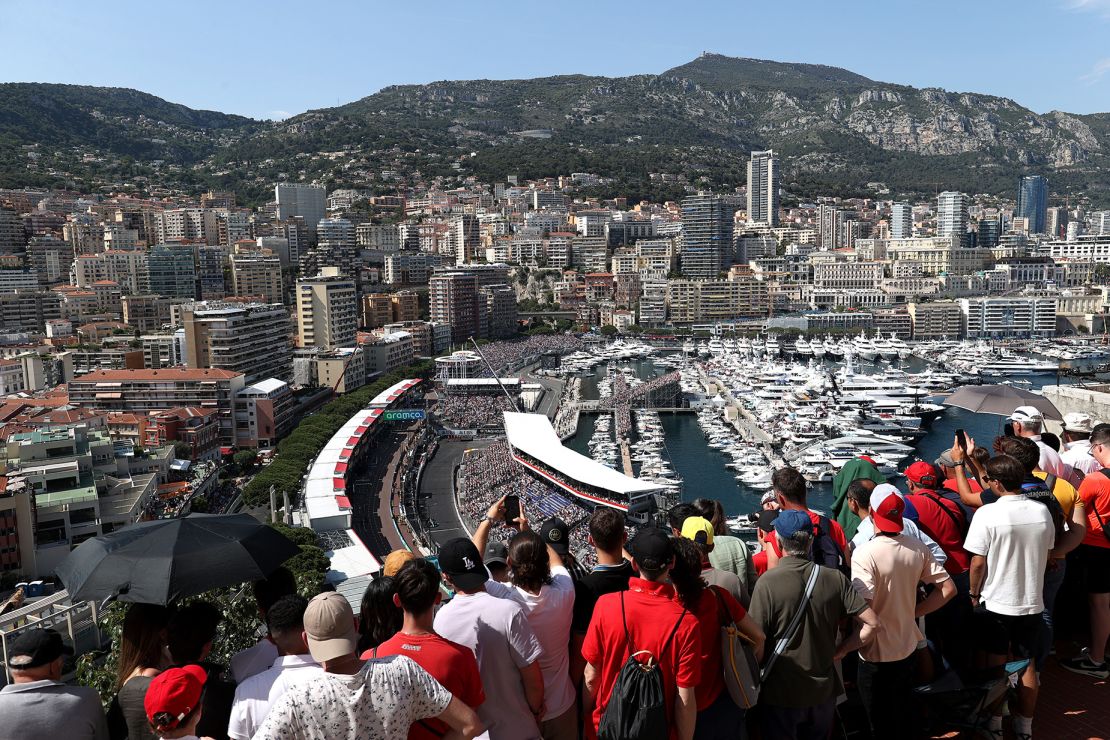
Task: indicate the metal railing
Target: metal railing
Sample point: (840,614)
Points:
(77,622)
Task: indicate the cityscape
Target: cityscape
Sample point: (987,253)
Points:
(380,340)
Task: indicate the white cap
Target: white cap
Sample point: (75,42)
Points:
(881,491)
(1026,413)
(1078,422)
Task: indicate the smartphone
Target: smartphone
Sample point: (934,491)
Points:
(512,509)
(961,439)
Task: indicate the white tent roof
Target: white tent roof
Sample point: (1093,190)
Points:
(533,435)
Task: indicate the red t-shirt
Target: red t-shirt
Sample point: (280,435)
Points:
(709,626)
(651,612)
(946,528)
(954,487)
(1095,493)
(759,561)
(450,663)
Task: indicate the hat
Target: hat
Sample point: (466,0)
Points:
(887,506)
(173,695)
(1078,422)
(698,529)
(1026,413)
(329,623)
(945,460)
(791,521)
(394,561)
(767,498)
(497,554)
(922,473)
(766,521)
(652,548)
(556,533)
(36,647)
(460,560)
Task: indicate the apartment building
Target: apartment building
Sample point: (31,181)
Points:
(264,413)
(254,339)
(327,310)
(1020,316)
(690,301)
(258,276)
(453,299)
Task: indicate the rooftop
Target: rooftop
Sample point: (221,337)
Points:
(169,373)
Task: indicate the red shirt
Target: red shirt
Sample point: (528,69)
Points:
(759,561)
(944,521)
(1095,493)
(954,487)
(709,626)
(453,665)
(652,613)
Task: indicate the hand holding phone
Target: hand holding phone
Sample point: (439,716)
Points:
(961,439)
(512,509)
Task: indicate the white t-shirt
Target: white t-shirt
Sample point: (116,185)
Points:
(503,642)
(549,614)
(1014,534)
(1050,461)
(255,696)
(253,660)
(379,702)
(1078,455)
(865,532)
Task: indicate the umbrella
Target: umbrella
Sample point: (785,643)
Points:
(1000,400)
(162,561)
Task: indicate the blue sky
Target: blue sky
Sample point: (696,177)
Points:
(273,58)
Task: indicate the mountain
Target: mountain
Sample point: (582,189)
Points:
(839,132)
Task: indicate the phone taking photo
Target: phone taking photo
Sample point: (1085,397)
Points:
(961,439)
(512,509)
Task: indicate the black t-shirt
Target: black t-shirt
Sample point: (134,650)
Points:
(601,580)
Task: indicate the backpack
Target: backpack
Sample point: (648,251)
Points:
(960,520)
(1040,492)
(741,670)
(825,550)
(637,708)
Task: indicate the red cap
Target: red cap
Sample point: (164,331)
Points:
(173,695)
(887,506)
(923,474)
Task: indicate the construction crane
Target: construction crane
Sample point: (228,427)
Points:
(496,376)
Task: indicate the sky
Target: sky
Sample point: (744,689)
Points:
(276,58)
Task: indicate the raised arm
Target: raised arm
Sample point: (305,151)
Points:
(961,459)
(496,513)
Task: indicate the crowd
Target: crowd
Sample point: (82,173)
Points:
(509,355)
(472,412)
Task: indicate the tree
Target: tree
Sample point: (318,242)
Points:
(635,329)
(608,330)
(244,459)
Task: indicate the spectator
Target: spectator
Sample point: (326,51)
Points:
(729,553)
(700,532)
(646,619)
(856,469)
(765,525)
(189,638)
(378,698)
(379,618)
(886,571)
(946,466)
(262,655)
(36,705)
(454,666)
(174,703)
(498,633)
(790,491)
(1051,440)
(939,518)
(1077,443)
(255,696)
(859,499)
(542,586)
(798,694)
(497,561)
(718,715)
(394,561)
(1010,540)
(556,534)
(140,660)
(1095,555)
(1028,422)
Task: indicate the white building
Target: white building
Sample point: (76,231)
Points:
(952,218)
(763,188)
(1009,316)
(901,221)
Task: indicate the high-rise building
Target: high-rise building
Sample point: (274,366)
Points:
(952,215)
(249,338)
(210,272)
(327,310)
(989,232)
(453,299)
(830,226)
(336,231)
(1056,222)
(901,221)
(256,276)
(707,225)
(763,188)
(500,311)
(465,238)
(1032,202)
(173,270)
(301,199)
(13,239)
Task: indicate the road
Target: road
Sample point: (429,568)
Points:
(437,489)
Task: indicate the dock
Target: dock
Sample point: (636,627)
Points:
(626,458)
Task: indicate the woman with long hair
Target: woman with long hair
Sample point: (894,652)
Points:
(379,619)
(729,553)
(141,658)
(714,607)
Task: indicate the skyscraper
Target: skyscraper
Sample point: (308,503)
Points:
(952,215)
(453,299)
(1032,202)
(706,235)
(327,310)
(901,221)
(301,199)
(763,188)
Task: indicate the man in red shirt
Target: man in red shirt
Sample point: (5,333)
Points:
(939,517)
(454,666)
(790,492)
(648,618)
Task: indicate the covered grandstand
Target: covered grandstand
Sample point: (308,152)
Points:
(393,394)
(535,445)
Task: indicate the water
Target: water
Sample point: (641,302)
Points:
(703,469)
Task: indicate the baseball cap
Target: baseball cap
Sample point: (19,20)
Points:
(791,521)
(36,647)
(652,548)
(766,522)
(922,473)
(767,498)
(329,623)
(460,560)
(699,529)
(173,695)
(497,554)
(394,561)
(556,533)
(945,460)
(1026,413)
(1078,422)
(887,506)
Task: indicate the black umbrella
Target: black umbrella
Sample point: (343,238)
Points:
(162,561)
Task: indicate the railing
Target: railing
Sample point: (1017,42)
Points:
(78,622)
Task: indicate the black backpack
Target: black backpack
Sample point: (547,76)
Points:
(825,550)
(1041,492)
(637,708)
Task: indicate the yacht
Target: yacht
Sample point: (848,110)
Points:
(864,347)
(772,347)
(817,346)
(802,348)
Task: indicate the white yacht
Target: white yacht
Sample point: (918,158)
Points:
(803,348)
